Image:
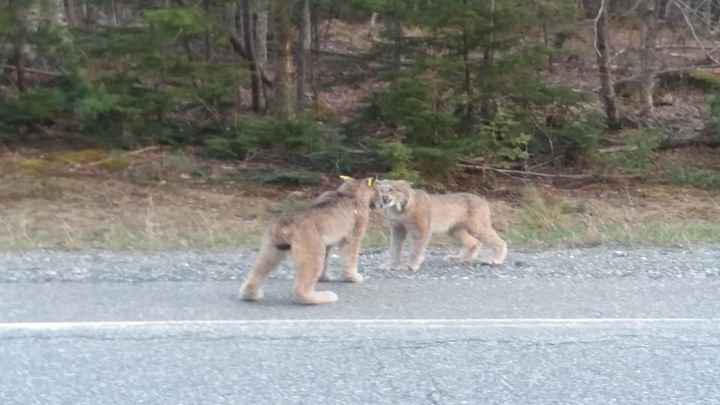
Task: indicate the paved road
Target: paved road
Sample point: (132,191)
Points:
(573,326)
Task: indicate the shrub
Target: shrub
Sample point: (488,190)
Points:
(398,157)
(575,139)
(637,158)
(692,176)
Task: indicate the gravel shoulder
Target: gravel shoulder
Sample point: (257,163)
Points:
(226,265)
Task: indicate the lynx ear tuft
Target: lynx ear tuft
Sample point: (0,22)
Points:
(345,178)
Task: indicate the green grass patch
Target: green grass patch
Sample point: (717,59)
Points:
(691,176)
(34,166)
(644,234)
(82,156)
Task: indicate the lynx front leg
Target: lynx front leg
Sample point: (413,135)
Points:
(324,275)
(398,232)
(421,240)
(351,254)
(419,226)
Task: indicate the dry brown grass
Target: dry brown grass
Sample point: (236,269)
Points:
(78,212)
(42,205)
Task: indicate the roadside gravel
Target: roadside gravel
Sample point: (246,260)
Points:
(225,265)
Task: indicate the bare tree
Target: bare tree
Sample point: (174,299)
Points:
(304,55)
(607,92)
(27,18)
(488,53)
(466,63)
(489,107)
(255,70)
(207,45)
(18,45)
(237,21)
(647,61)
(280,11)
(261,30)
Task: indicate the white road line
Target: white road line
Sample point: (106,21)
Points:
(392,323)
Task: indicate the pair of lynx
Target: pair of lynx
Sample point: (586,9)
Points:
(340,218)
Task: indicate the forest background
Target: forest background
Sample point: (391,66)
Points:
(188,123)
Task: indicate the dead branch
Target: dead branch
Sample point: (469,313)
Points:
(619,148)
(692,31)
(599,177)
(597,18)
(34,71)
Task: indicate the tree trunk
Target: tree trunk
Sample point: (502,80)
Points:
(27,17)
(589,6)
(70,12)
(114,18)
(607,93)
(647,61)
(261,49)
(489,52)
(397,50)
(489,106)
(315,45)
(239,30)
(466,65)
(304,55)
(280,11)
(255,78)
(233,19)
(89,15)
(18,62)
(18,38)
(206,36)
(261,29)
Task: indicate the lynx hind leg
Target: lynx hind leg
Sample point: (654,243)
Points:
(309,257)
(471,245)
(268,259)
(484,232)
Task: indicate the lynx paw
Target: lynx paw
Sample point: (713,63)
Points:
(390,266)
(409,267)
(492,262)
(318,297)
(354,278)
(251,295)
(456,258)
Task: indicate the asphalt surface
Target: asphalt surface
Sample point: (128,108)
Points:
(583,326)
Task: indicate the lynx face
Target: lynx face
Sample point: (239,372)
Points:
(394,193)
